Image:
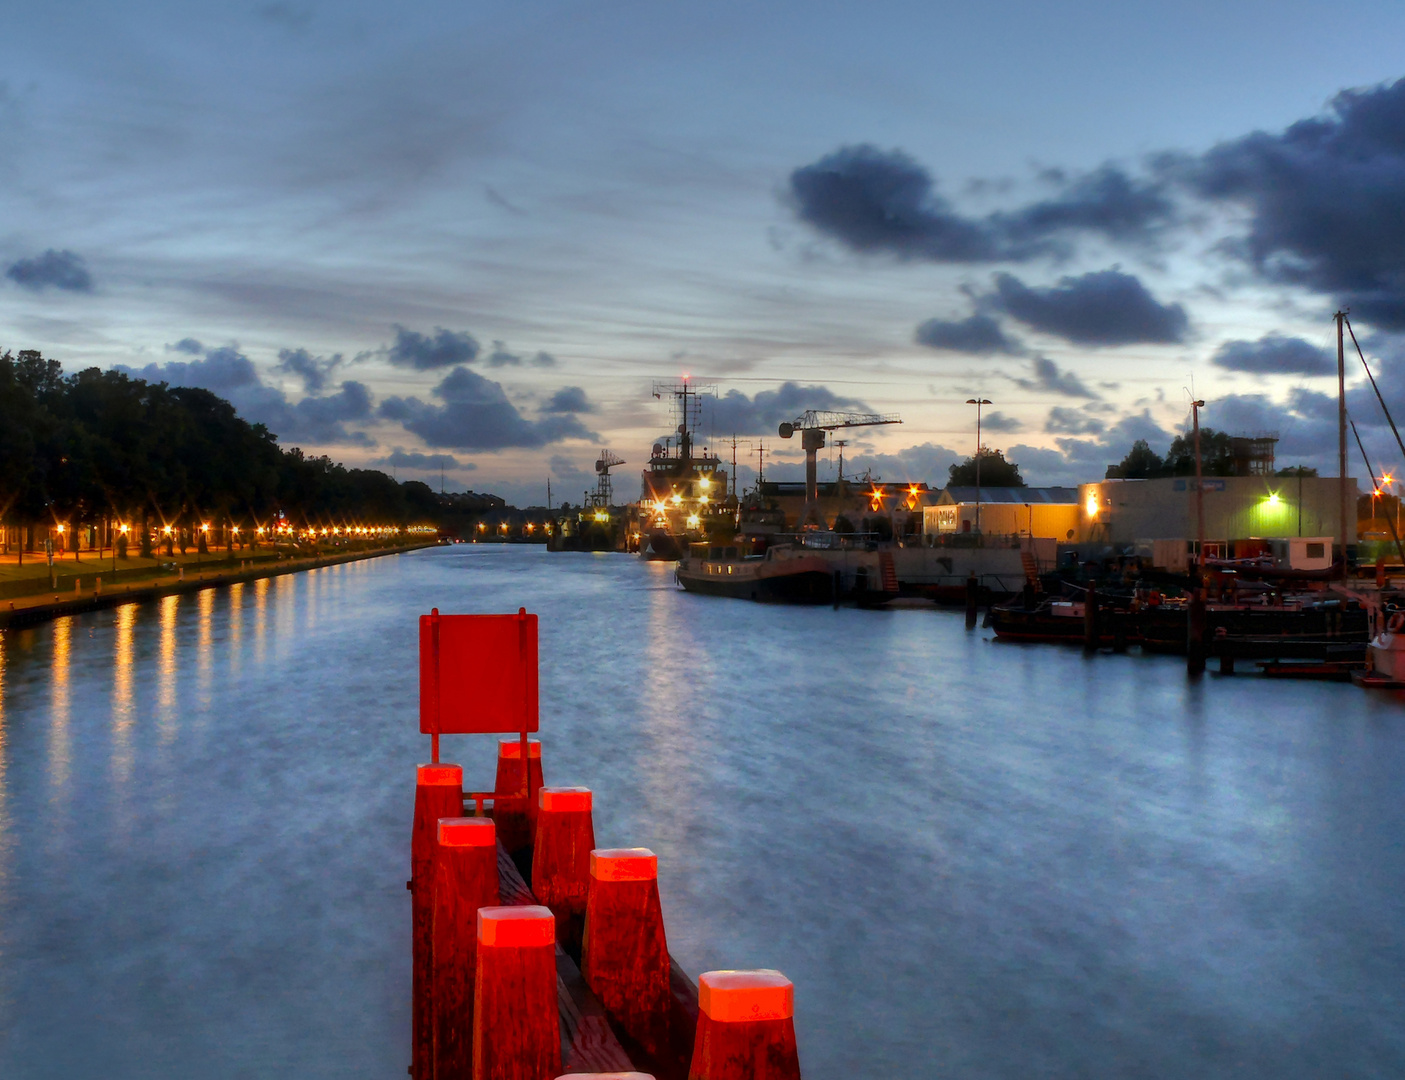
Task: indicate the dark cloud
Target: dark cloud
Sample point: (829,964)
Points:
(315,420)
(569,399)
(1063,420)
(1049,379)
(53,269)
(291,16)
(762,414)
(413,459)
(998,421)
(1078,461)
(476,415)
(427,352)
(313,370)
(1106,307)
(543,359)
(500,357)
(979,334)
(875,201)
(1275,354)
(1325,198)
(187,345)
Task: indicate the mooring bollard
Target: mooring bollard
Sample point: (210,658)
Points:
(561,857)
(515,821)
(973,595)
(465,879)
(624,957)
(438,794)
(516,1027)
(746,1027)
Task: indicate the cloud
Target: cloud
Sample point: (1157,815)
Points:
(1050,380)
(1325,200)
(187,345)
(925,462)
(476,415)
(500,357)
(1063,420)
(1077,461)
(313,370)
(53,269)
(1106,307)
(569,399)
(998,421)
(425,352)
(543,359)
(978,334)
(315,420)
(763,414)
(412,459)
(1275,354)
(875,201)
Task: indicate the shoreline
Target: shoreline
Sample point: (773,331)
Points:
(35,608)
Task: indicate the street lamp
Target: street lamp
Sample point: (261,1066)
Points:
(978,402)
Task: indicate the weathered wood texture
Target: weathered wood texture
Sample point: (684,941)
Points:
(561,868)
(745,1050)
(432,802)
(465,879)
(625,960)
(516,1023)
(515,820)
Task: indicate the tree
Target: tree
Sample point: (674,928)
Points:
(1297,470)
(995,471)
(1141,463)
(1216,457)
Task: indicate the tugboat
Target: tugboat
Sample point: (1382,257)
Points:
(785,573)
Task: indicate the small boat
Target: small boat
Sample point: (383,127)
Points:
(1059,619)
(1386,654)
(784,574)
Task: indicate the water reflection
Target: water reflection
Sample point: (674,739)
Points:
(234,618)
(260,620)
(166,718)
(205,653)
(60,748)
(124,710)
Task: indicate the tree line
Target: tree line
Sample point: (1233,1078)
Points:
(100,446)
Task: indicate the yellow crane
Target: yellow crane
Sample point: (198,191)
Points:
(812,425)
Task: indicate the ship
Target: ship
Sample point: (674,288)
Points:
(683,491)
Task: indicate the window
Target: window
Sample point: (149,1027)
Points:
(1316,551)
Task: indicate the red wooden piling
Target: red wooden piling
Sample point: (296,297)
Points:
(516,823)
(438,794)
(746,1029)
(606,1076)
(624,957)
(561,857)
(516,1028)
(465,879)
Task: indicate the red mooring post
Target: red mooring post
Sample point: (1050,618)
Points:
(465,879)
(516,822)
(746,1027)
(624,957)
(438,794)
(606,1076)
(561,857)
(516,1028)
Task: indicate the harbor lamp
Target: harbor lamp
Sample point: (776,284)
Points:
(978,402)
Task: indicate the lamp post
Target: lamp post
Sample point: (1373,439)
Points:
(978,402)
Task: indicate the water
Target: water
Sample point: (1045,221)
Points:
(974,859)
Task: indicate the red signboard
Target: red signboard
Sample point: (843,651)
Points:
(478,674)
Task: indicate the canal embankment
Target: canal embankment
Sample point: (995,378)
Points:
(26,602)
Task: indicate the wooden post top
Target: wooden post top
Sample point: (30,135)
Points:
(439,774)
(467,832)
(516,926)
(564,798)
(624,864)
(734,996)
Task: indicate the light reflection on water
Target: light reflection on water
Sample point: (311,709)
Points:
(974,860)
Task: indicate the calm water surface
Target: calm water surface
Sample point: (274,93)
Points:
(975,860)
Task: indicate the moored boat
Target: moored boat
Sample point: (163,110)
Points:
(783,574)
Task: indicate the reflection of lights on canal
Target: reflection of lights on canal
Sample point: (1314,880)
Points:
(166,669)
(60,754)
(123,707)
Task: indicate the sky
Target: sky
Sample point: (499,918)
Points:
(468,238)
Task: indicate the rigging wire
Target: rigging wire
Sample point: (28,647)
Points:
(1389,419)
(1372,473)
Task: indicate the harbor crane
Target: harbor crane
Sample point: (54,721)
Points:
(812,425)
(604,491)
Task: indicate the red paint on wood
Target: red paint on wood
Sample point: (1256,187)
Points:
(478,673)
(746,1029)
(516,1027)
(438,794)
(465,879)
(606,1076)
(516,822)
(561,857)
(624,956)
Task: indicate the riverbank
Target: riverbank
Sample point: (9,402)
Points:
(111,589)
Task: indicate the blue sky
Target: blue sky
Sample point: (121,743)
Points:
(477,233)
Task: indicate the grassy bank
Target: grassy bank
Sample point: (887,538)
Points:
(27,595)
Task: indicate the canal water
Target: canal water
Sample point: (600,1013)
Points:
(974,860)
